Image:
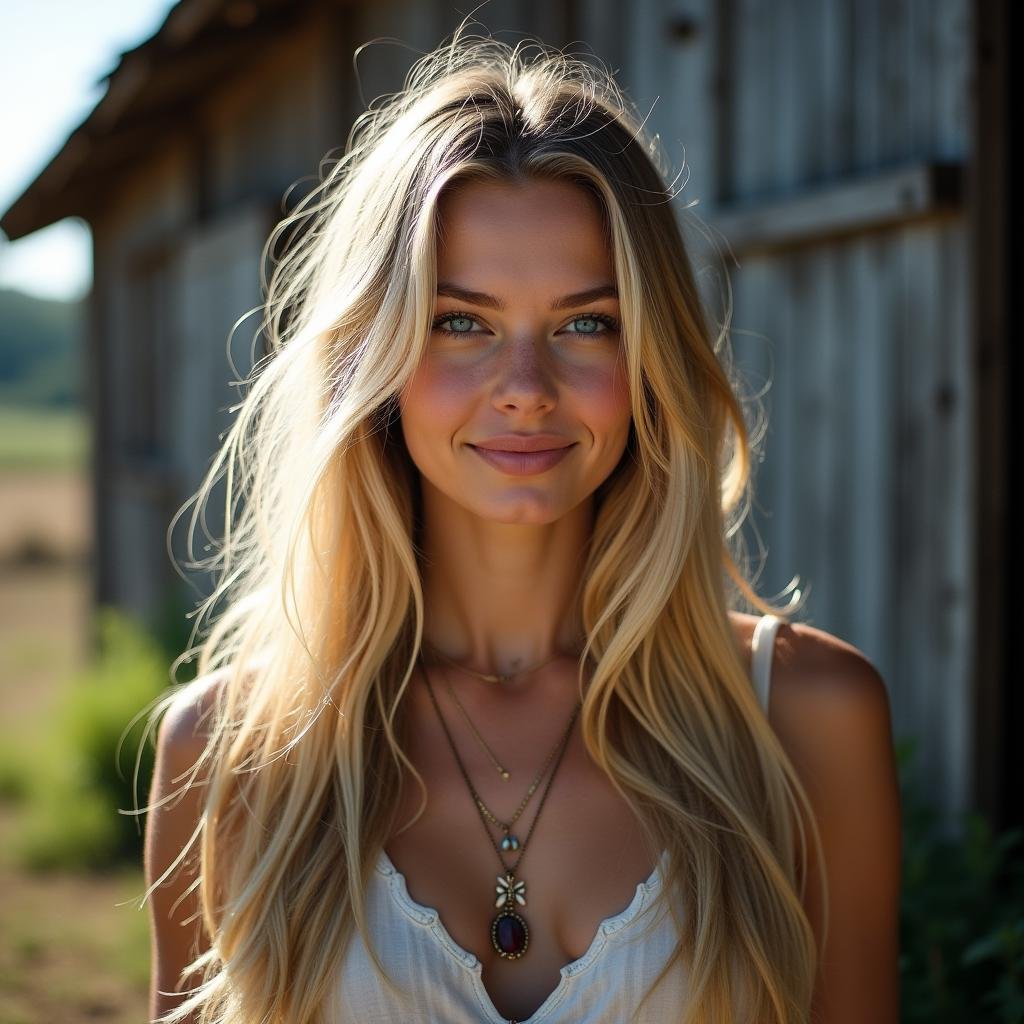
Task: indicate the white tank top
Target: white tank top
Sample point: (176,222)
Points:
(445,981)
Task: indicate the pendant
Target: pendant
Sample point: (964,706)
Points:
(510,842)
(509,933)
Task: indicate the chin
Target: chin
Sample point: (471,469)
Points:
(519,511)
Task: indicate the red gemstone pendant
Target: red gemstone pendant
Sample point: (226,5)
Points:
(509,935)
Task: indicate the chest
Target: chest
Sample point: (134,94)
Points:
(581,863)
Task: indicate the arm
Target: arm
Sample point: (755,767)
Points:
(175,943)
(835,723)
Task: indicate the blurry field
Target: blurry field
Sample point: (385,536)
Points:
(42,440)
(68,953)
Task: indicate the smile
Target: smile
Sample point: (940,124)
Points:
(523,463)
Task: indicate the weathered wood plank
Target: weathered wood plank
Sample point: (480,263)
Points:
(871,464)
(827,214)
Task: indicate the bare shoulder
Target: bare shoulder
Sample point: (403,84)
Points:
(813,669)
(184,726)
(814,672)
(822,685)
(830,710)
(173,823)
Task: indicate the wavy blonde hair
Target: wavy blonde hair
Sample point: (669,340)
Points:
(318,569)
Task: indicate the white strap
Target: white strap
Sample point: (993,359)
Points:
(761,649)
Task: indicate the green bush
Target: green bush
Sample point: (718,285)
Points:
(962,917)
(67,829)
(16,759)
(79,777)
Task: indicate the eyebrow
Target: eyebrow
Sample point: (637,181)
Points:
(453,291)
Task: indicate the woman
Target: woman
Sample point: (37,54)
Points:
(475,735)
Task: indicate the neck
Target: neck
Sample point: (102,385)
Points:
(501,597)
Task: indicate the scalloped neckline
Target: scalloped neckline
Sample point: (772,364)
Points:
(428,916)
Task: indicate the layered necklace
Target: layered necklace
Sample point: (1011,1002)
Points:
(510,934)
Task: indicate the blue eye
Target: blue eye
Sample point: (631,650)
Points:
(611,325)
(452,316)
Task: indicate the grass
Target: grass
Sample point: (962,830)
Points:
(41,439)
(69,953)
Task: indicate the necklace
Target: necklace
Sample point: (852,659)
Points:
(510,934)
(489,677)
(503,772)
(499,767)
(509,840)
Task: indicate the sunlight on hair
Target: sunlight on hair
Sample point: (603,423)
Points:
(313,630)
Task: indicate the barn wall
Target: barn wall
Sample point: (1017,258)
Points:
(138,358)
(862,335)
(267,129)
(177,250)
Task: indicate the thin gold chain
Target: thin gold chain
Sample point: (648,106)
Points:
(491,677)
(499,767)
(484,809)
(502,771)
(506,826)
(562,745)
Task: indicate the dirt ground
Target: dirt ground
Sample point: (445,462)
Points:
(53,508)
(68,953)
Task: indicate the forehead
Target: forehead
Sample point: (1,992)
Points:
(538,233)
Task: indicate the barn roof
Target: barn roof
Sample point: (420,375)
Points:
(149,94)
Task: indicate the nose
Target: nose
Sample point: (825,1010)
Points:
(525,381)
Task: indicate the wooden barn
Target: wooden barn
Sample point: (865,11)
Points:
(851,154)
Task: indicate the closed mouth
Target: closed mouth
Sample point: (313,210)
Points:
(522,451)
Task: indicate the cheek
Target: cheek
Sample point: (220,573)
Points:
(604,394)
(431,394)
(435,403)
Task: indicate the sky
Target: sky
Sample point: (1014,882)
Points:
(52,54)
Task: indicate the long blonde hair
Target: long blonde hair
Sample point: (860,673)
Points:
(318,572)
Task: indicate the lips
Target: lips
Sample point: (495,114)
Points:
(522,463)
(525,443)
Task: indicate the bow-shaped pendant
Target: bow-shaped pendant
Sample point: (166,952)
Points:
(509,890)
